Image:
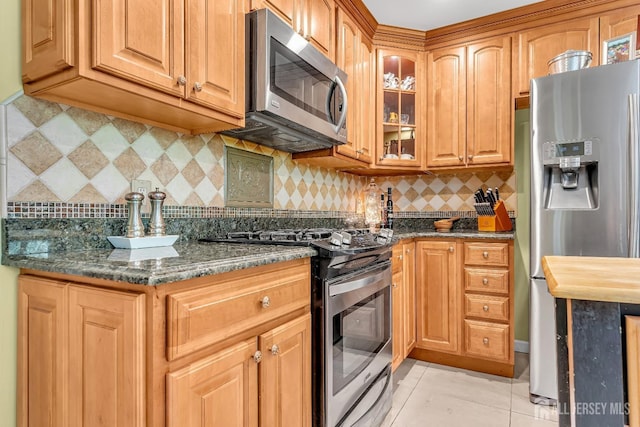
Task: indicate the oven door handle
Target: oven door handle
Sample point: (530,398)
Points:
(365,282)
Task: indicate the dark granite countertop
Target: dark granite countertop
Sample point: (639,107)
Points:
(156,266)
(457,234)
(184,260)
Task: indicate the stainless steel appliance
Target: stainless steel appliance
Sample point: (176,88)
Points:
(351,321)
(584,187)
(295,96)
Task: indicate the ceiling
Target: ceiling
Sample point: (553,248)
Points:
(429,14)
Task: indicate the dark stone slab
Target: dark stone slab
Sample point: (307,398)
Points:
(562,351)
(598,364)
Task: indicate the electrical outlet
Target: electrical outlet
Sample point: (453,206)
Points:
(142,186)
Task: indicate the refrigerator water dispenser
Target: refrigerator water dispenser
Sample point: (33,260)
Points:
(570,175)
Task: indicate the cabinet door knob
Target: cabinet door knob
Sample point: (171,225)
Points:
(307,37)
(197,86)
(451,249)
(257,356)
(266,302)
(460,158)
(485,281)
(182,80)
(408,250)
(485,341)
(395,285)
(485,307)
(400,257)
(275,350)
(470,157)
(485,254)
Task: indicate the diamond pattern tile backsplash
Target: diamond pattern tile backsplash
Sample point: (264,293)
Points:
(58,153)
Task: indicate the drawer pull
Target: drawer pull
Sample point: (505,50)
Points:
(485,341)
(275,349)
(451,249)
(266,302)
(485,254)
(485,307)
(257,356)
(485,281)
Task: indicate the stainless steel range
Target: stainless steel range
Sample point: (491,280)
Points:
(351,321)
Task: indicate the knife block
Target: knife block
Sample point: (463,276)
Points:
(498,222)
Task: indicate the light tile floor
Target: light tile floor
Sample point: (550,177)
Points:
(427,394)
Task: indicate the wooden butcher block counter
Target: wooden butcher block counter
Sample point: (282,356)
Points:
(593,278)
(598,339)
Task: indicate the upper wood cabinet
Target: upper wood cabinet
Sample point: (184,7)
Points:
(91,56)
(538,45)
(469,105)
(47,38)
(400,137)
(619,22)
(355,56)
(312,19)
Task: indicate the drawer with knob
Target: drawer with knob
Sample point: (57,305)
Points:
(493,254)
(486,280)
(487,340)
(200,317)
(486,307)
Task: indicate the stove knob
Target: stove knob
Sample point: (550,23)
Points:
(336,239)
(346,238)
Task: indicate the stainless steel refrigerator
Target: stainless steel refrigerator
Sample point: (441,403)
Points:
(584,187)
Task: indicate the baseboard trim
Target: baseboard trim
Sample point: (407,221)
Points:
(521,346)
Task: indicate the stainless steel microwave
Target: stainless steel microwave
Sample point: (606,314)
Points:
(295,96)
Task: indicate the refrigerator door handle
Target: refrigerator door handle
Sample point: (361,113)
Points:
(634,178)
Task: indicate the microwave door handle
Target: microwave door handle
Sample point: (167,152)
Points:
(343,116)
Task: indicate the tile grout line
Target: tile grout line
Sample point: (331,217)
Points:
(413,389)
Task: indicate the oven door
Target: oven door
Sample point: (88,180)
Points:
(358,336)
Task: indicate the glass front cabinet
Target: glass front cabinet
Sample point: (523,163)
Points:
(400,130)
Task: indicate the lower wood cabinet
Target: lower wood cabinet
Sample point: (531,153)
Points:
(438,295)
(632,326)
(464,291)
(266,379)
(81,355)
(93,352)
(403,301)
